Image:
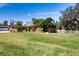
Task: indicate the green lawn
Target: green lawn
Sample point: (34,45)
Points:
(34,44)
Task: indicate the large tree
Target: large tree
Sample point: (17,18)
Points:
(49,25)
(46,24)
(70,18)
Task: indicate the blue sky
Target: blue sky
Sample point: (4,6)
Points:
(26,11)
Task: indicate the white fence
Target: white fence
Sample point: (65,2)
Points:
(67,31)
(4,31)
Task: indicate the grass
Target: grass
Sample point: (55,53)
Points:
(39,44)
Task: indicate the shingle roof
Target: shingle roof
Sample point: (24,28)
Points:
(29,25)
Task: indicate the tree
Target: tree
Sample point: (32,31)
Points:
(12,22)
(70,18)
(47,25)
(19,26)
(5,23)
(37,22)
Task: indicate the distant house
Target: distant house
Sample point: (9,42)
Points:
(4,28)
(13,29)
(8,28)
(30,27)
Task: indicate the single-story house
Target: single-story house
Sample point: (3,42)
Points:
(30,27)
(13,29)
(8,28)
(4,28)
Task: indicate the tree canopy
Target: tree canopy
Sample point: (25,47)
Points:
(70,18)
(46,24)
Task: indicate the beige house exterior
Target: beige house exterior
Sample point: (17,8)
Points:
(13,29)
